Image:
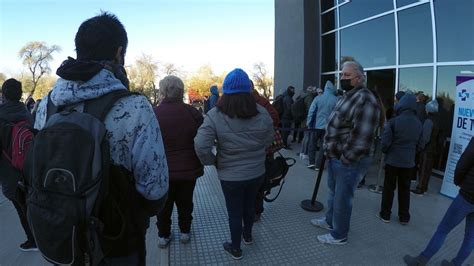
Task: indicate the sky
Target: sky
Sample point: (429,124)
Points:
(189,33)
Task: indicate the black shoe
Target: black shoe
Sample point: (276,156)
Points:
(236,254)
(415,261)
(418,192)
(28,246)
(257,217)
(247,240)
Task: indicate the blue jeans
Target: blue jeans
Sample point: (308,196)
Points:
(240,202)
(459,209)
(342,182)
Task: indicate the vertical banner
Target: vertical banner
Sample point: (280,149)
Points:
(462,132)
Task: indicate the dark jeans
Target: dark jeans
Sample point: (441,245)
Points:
(240,202)
(459,210)
(315,155)
(259,200)
(181,193)
(296,133)
(424,171)
(285,124)
(392,176)
(21,210)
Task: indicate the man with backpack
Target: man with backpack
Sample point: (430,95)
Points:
(13,116)
(101,142)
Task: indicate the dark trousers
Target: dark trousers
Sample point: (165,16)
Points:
(296,133)
(181,193)
(315,154)
(240,202)
(259,200)
(285,124)
(424,171)
(21,210)
(394,175)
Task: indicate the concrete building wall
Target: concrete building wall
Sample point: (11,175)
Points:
(289,45)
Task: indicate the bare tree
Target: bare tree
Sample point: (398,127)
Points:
(263,82)
(36,57)
(170,69)
(142,75)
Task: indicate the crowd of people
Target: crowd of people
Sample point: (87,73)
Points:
(134,161)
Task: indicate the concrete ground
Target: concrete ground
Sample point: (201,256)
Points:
(284,235)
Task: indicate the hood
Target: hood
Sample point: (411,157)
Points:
(14,111)
(214,90)
(329,88)
(407,103)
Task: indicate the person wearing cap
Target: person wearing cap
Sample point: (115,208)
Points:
(431,136)
(242,130)
(12,111)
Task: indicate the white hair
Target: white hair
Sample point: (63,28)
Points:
(357,67)
(172,87)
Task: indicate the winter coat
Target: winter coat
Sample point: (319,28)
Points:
(287,103)
(240,147)
(183,163)
(133,132)
(214,97)
(431,134)
(402,135)
(464,173)
(322,107)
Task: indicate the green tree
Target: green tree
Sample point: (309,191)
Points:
(142,75)
(262,81)
(36,57)
(200,82)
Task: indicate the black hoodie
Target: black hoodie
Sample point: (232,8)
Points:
(464,173)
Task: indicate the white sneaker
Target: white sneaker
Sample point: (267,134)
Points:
(329,239)
(311,166)
(321,222)
(163,242)
(184,238)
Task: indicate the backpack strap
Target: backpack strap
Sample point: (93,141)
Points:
(101,106)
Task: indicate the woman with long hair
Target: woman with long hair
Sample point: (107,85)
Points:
(242,130)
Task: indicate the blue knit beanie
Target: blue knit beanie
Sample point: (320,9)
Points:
(237,81)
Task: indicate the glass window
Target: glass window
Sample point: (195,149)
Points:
(328,21)
(327,4)
(372,43)
(416,79)
(415,35)
(328,53)
(357,10)
(454,28)
(401,3)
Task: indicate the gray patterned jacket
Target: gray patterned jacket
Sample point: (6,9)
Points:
(132,130)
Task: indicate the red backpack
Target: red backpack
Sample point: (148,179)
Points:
(15,140)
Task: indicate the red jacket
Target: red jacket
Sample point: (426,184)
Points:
(268,106)
(179,123)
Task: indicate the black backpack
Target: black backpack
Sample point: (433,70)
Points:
(278,104)
(298,109)
(276,169)
(69,193)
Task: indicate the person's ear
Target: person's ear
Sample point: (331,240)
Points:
(119,58)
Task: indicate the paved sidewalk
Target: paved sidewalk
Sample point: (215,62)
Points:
(284,235)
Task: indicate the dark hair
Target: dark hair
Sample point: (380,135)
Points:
(240,105)
(98,38)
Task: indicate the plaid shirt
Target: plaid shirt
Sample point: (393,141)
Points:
(351,127)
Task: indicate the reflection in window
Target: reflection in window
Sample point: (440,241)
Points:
(327,4)
(357,10)
(416,79)
(401,3)
(415,35)
(328,53)
(454,28)
(328,21)
(372,43)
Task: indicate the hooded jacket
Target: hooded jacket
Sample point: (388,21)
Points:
(321,107)
(241,144)
(402,135)
(214,97)
(133,132)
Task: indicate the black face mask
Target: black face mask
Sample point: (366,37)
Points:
(346,84)
(291,93)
